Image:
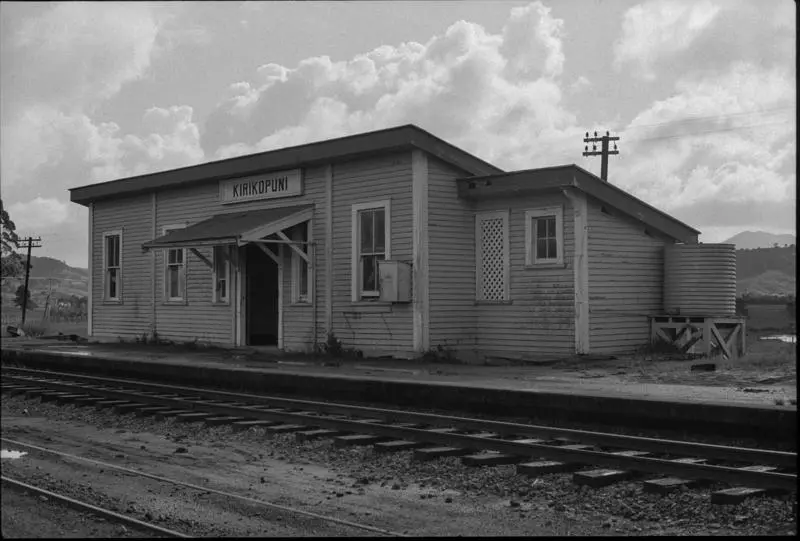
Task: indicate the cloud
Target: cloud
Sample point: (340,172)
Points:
(496,95)
(91,49)
(662,37)
(660,28)
(709,156)
(39,213)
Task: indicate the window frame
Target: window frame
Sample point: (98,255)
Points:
(106,282)
(479,216)
(297,266)
(214,277)
(531,260)
(357,295)
(183,298)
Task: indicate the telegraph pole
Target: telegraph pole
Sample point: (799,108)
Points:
(30,242)
(604,151)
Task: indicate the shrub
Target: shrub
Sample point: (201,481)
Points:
(33,329)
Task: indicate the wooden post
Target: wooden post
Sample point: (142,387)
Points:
(27,275)
(604,152)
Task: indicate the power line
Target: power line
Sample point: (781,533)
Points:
(711,117)
(733,128)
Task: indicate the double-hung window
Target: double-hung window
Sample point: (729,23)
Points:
(221,274)
(544,236)
(112,263)
(174,270)
(301,277)
(371,236)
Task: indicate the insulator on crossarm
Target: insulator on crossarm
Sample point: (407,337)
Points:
(595,134)
(594,147)
(607,134)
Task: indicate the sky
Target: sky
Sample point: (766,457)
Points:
(702,94)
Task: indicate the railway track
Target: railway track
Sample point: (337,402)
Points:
(91,509)
(125,519)
(593,458)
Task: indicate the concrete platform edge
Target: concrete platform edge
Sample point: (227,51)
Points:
(728,419)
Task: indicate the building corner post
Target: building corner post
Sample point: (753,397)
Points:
(580,262)
(89,306)
(328,250)
(420,263)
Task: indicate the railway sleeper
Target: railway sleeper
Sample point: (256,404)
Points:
(665,485)
(604,476)
(69,398)
(165,414)
(353,440)
(52,396)
(397,445)
(495,458)
(285,428)
(734,495)
(123,409)
(224,420)
(109,403)
(246,425)
(192,417)
(150,410)
(541,467)
(310,435)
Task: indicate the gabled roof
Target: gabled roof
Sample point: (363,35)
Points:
(363,144)
(573,176)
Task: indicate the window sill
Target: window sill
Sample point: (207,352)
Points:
(370,306)
(111,302)
(175,303)
(546,266)
(214,303)
(302,303)
(481,303)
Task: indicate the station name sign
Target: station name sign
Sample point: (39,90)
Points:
(266,186)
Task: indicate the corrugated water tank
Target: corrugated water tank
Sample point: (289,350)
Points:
(700,279)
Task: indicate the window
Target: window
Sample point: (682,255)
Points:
(175,270)
(221,274)
(112,263)
(301,281)
(371,236)
(492,256)
(544,236)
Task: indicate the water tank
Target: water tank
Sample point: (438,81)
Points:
(700,279)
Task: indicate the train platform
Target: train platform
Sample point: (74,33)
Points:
(667,394)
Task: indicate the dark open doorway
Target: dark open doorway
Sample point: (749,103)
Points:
(262,298)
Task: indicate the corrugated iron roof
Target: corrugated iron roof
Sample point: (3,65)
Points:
(517,183)
(232,228)
(370,143)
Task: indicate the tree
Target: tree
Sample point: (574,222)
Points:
(12,265)
(20,295)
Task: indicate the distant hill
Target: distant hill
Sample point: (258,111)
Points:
(766,271)
(66,281)
(759,239)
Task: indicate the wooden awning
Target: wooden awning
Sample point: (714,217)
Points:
(233,228)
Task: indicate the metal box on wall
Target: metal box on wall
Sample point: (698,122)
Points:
(395,281)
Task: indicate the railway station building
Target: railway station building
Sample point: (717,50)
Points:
(395,241)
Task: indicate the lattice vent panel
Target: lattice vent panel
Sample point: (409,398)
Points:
(493,276)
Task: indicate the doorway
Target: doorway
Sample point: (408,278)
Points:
(262,298)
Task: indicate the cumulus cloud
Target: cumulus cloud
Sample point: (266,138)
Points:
(719,151)
(494,94)
(40,213)
(91,49)
(662,37)
(660,28)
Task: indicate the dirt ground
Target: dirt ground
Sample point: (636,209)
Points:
(30,516)
(391,491)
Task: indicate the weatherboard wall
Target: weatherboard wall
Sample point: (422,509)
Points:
(451,257)
(369,326)
(539,317)
(626,274)
(132,315)
(373,327)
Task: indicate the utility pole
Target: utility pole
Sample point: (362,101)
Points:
(30,242)
(604,152)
